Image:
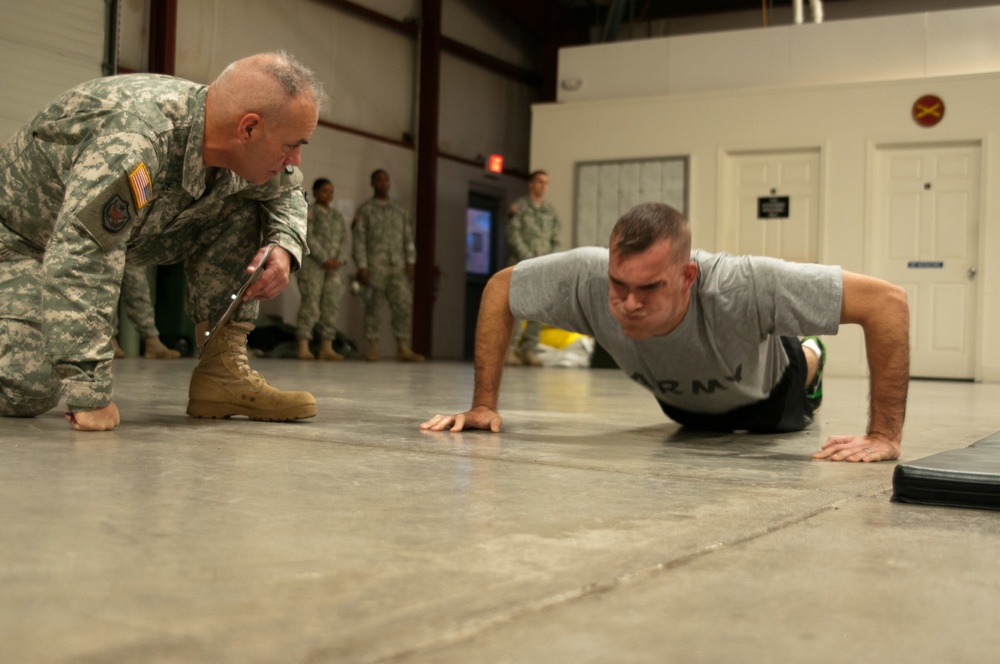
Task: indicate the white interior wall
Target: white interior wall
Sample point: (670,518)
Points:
(46,47)
(133,30)
(845,121)
(877,49)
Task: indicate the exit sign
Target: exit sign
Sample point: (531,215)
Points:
(495,163)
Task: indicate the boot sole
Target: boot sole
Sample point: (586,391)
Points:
(219,411)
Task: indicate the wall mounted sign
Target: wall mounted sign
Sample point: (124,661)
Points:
(928,110)
(772,207)
(918,264)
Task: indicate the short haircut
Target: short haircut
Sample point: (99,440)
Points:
(376,172)
(294,77)
(264,83)
(648,223)
(535,174)
(319,182)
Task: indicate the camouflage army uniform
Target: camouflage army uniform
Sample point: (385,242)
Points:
(532,231)
(113,169)
(138,301)
(383,244)
(322,289)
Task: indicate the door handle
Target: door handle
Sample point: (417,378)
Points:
(972,272)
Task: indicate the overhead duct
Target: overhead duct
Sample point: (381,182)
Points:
(613,21)
(815,5)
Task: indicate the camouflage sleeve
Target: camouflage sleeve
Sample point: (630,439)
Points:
(340,236)
(85,260)
(410,251)
(286,224)
(284,201)
(359,232)
(138,300)
(312,240)
(517,247)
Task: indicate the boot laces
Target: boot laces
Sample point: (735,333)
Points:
(238,349)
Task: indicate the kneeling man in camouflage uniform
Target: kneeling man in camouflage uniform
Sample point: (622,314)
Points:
(150,169)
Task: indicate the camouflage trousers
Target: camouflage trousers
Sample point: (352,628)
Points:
(321,293)
(29,384)
(137,300)
(526,339)
(215,249)
(394,288)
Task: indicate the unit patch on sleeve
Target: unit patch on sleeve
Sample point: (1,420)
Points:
(142,188)
(108,212)
(116,215)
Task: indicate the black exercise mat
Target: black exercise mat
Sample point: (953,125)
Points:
(968,477)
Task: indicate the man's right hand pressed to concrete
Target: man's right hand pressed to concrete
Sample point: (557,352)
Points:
(479,417)
(104,418)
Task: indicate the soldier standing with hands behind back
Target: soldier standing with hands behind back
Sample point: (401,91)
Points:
(385,253)
(532,231)
(321,280)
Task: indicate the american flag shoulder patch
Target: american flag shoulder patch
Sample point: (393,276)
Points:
(142,188)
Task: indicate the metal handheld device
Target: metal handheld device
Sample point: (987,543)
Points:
(224,313)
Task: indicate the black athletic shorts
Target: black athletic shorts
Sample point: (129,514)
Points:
(785,409)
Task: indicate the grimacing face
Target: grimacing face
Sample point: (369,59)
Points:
(649,292)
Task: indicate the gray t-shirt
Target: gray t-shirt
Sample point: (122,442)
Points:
(727,351)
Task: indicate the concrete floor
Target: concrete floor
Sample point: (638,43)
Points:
(591,530)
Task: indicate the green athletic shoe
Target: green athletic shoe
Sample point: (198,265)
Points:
(814,390)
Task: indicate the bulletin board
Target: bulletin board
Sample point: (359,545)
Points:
(605,190)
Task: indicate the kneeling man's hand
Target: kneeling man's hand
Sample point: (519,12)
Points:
(104,418)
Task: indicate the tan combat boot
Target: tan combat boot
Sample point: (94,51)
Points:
(372,355)
(119,353)
(303,352)
(326,351)
(405,354)
(155,350)
(223,384)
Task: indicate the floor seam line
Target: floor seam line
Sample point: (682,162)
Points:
(472,628)
(536,462)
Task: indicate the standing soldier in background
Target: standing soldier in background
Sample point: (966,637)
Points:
(321,280)
(532,231)
(385,254)
(139,309)
(157,170)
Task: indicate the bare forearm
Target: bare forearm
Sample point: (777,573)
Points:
(882,312)
(888,349)
(493,331)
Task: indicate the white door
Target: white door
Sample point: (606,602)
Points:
(926,227)
(771,204)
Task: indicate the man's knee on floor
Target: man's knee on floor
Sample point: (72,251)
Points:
(28,384)
(26,405)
